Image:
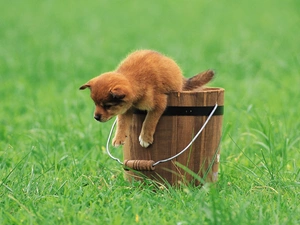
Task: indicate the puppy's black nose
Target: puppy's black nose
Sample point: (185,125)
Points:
(97,117)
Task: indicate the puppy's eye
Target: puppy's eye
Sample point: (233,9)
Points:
(108,105)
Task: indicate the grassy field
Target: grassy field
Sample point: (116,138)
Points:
(53,165)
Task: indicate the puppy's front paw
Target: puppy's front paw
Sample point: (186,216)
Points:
(144,142)
(117,141)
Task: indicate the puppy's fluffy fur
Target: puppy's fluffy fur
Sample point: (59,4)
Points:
(143,81)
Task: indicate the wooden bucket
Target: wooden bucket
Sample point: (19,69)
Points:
(185,115)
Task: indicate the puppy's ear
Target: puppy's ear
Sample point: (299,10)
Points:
(117,93)
(85,86)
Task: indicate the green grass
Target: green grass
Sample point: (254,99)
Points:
(53,165)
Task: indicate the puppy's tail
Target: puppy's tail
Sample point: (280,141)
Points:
(198,80)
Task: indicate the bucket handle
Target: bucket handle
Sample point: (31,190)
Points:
(150,164)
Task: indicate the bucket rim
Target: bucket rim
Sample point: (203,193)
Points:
(205,89)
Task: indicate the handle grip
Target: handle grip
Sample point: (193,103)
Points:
(140,165)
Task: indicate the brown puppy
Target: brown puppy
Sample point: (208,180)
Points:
(143,81)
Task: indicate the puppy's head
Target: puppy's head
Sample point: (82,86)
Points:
(111,93)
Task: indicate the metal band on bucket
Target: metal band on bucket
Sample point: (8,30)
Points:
(187,111)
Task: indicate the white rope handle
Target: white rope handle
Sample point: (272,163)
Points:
(167,159)
(108,141)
